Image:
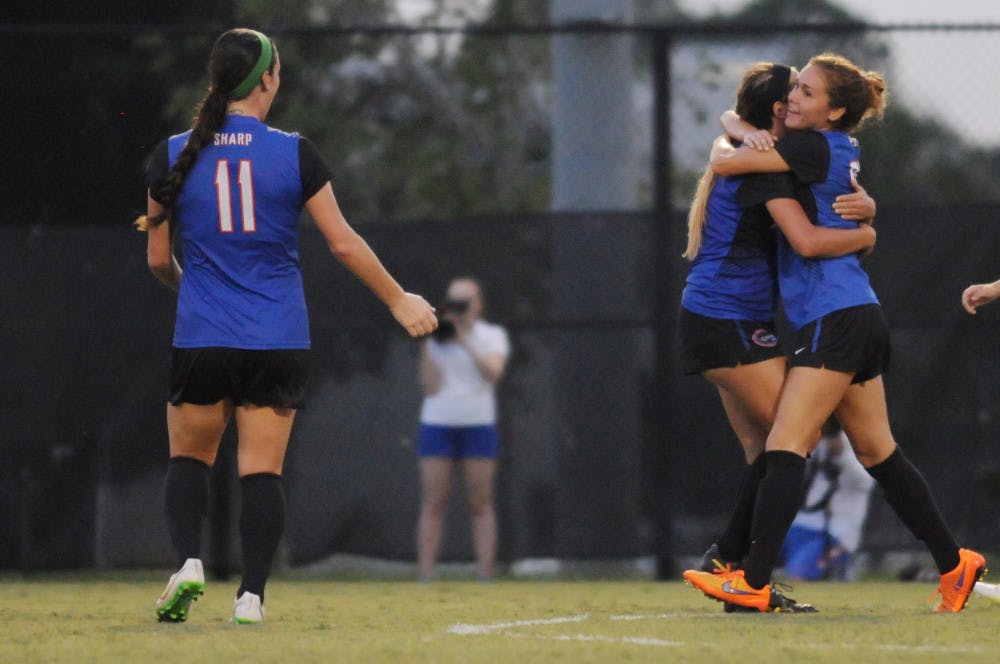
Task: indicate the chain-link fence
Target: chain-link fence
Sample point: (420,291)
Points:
(441,148)
(445,124)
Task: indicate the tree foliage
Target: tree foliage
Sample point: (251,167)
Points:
(412,125)
(905,158)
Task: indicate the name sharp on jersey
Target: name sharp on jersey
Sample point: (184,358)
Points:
(235,138)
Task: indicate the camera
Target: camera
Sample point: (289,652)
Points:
(457,307)
(446,329)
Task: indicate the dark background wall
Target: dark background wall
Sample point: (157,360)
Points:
(86,331)
(444,165)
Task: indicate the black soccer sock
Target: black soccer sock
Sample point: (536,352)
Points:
(186,504)
(261,525)
(778,500)
(906,491)
(734,542)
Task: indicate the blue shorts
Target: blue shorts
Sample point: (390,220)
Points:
(458,442)
(805,552)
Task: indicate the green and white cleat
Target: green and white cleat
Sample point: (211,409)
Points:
(183,588)
(247,610)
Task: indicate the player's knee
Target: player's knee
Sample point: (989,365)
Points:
(262,465)
(875,454)
(788,441)
(434,503)
(753,446)
(207,457)
(871,447)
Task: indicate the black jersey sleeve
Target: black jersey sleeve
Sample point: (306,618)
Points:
(807,153)
(759,188)
(158,169)
(312,169)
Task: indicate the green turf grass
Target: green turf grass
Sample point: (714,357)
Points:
(110,618)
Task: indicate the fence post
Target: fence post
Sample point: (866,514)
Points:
(657,495)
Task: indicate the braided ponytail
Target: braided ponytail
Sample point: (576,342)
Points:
(232,61)
(210,114)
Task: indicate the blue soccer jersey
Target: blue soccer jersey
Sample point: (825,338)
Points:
(238,216)
(733,275)
(826,162)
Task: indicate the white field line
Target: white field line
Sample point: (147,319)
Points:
(964,650)
(631,640)
(667,616)
(662,643)
(490,628)
(505,629)
(592,638)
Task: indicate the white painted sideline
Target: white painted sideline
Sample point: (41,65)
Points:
(631,640)
(504,629)
(657,616)
(464,628)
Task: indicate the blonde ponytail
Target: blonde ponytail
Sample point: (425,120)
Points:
(698,212)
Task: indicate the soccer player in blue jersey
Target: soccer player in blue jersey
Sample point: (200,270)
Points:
(728,306)
(232,190)
(838,345)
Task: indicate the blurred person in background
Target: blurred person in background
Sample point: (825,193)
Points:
(827,530)
(232,189)
(460,366)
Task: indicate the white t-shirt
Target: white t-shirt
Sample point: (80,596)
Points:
(849,503)
(465,398)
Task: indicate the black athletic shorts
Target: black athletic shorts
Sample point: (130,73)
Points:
(853,340)
(711,343)
(275,378)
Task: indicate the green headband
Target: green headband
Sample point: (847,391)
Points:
(253,78)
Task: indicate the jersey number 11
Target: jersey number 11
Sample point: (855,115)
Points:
(245,181)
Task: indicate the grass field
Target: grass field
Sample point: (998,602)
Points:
(105,618)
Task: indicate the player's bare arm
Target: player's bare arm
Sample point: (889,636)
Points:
(740,130)
(858,206)
(978,295)
(811,241)
(727,160)
(410,310)
(159,249)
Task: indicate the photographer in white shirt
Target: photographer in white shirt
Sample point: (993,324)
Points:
(459,369)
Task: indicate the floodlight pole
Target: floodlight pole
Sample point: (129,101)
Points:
(596,512)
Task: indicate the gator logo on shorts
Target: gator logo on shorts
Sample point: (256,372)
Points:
(765,338)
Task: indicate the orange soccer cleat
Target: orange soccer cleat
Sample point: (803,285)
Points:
(957,585)
(730,586)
